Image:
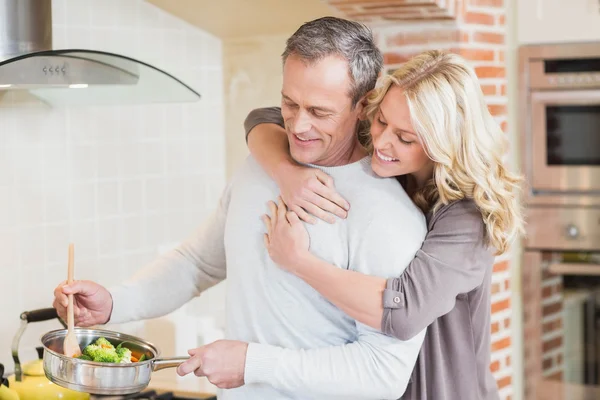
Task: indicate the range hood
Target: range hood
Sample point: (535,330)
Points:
(32,72)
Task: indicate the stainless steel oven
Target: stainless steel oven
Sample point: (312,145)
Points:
(562,122)
(559,115)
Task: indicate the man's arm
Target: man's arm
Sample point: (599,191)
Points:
(178,276)
(374,366)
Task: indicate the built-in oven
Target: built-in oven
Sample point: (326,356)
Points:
(562,120)
(559,114)
(566,141)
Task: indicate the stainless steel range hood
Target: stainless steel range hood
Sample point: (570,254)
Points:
(30,71)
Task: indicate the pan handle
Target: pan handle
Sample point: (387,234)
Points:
(162,363)
(43,314)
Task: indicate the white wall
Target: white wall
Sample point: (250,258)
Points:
(118,181)
(253,76)
(515,161)
(554,21)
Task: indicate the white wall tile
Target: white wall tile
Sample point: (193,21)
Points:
(108,199)
(132,233)
(79,12)
(31,247)
(98,176)
(7,175)
(109,237)
(84,162)
(57,202)
(8,249)
(131,197)
(83,203)
(57,239)
(55,165)
(29,205)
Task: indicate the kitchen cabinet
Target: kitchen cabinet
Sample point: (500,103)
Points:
(553,21)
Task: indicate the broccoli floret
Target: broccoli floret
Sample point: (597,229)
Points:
(91,349)
(102,342)
(124,355)
(85,357)
(107,355)
(101,354)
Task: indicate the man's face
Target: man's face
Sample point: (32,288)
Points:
(317,109)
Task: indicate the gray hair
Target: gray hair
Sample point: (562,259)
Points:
(351,40)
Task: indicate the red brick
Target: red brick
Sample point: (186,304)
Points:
(488,90)
(495,366)
(488,37)
(547,363)
(552,308)
(546,292)
(501,266)
(479,18)
(508,361)
(503,88)
(396,58)
(502,20)
(490,72)
(504,382)
(552,326)
(487,3)
(496,288)
(557,376)
(507,323)
(500,305)
(507,285)
(504,126)
(497,109)
(495,327)
(559,359)
(501,344)
(552,344)
(433,36)
(343,2)
(475,54)
(501,56)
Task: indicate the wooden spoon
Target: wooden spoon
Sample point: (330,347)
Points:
(71,345)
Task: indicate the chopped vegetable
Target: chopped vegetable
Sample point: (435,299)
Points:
(103,351)
(142,358)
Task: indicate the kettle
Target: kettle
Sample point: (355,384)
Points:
(29,381)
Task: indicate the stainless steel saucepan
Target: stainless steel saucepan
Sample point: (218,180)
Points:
(97,377)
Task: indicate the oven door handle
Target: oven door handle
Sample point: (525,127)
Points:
(574,269)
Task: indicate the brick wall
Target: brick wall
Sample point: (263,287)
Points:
(553,351)
(475,29)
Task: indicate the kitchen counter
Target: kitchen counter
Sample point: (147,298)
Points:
(555,390)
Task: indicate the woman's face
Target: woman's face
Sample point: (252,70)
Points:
(396,148)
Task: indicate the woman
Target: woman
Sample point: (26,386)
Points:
(430,127)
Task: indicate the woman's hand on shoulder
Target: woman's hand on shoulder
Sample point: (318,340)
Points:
(310,193)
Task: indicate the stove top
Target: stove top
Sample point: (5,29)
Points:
(150,395)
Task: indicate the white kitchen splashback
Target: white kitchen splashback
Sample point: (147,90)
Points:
(117,181)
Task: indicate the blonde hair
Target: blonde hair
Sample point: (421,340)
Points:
(451,119)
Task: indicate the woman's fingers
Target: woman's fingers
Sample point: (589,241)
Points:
(317,212)
(292,218)
(303,215)
(273,212)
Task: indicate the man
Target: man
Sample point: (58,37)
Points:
(300,345)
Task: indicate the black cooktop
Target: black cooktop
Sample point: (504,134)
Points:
(153,395)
